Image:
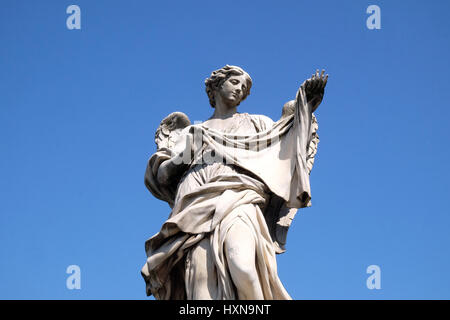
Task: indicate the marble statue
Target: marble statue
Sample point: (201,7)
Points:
(234,183)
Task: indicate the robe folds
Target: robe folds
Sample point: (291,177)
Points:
(230,175)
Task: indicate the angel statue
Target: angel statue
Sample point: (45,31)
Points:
(234,183)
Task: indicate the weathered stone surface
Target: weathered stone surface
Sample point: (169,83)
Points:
(234,183)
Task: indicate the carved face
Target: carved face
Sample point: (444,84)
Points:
(233,89)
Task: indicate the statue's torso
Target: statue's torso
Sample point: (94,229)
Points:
(206,169)
(239,123)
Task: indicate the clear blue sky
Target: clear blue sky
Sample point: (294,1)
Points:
(79,108)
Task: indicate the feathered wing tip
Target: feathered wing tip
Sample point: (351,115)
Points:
(288,109)
(169,128)
(313,143)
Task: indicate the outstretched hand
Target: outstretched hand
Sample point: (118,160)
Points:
(315,87)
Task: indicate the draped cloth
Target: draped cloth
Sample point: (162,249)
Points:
(230,176)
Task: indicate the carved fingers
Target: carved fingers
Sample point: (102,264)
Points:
(319,80)
(316,84)
(323,80)
(314,88)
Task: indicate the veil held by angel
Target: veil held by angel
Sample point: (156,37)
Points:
(233,190)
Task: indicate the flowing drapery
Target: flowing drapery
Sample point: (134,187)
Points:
(248,168)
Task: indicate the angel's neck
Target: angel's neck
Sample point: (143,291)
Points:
(222,111)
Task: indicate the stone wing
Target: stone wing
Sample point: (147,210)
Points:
(169,128)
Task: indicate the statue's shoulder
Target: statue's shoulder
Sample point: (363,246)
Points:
(261,121)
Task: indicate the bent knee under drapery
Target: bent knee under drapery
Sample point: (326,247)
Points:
(214,280)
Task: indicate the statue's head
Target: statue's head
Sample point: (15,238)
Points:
(231,82)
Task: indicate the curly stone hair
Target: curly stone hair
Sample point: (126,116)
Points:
(219,76)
